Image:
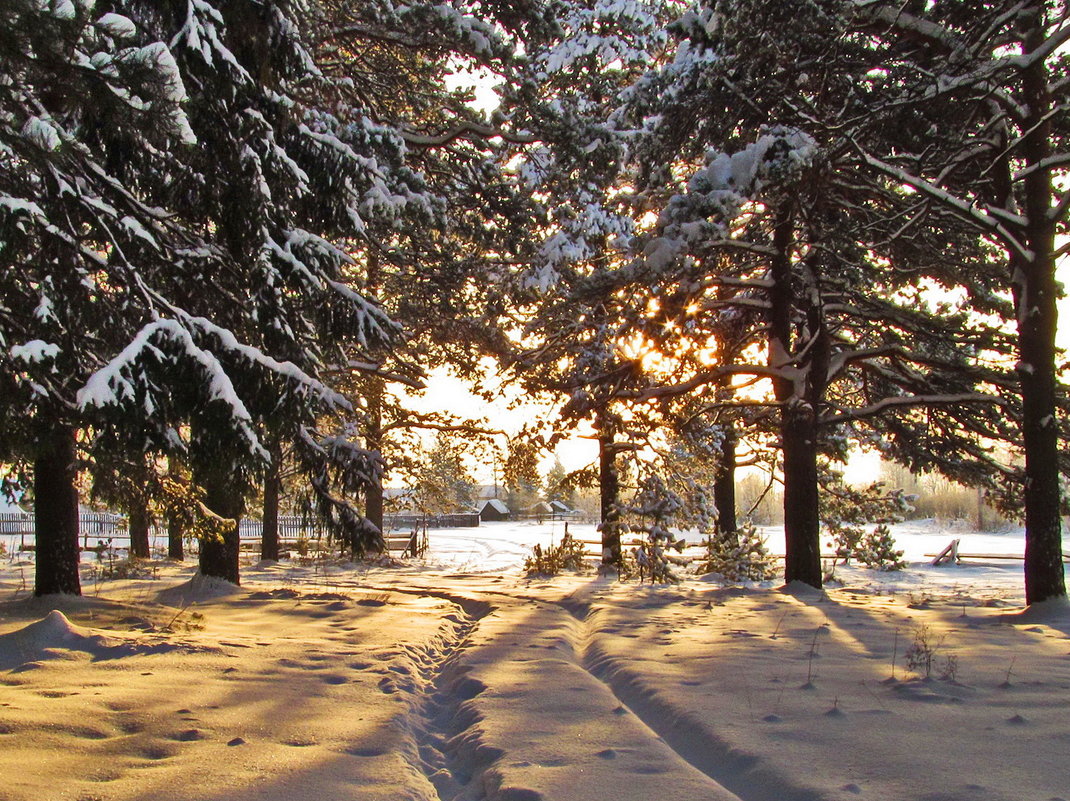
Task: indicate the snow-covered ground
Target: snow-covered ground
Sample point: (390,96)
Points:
(459,678)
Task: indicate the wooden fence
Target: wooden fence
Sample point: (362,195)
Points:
(98,528)
(95,526)
(410,522)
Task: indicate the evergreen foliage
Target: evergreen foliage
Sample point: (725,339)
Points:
(742,557)
(846,511)
(569,554)
(181,185)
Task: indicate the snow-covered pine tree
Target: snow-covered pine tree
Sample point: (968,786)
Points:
(87,102)
(212,181)
(441,280)
(651,513)
(760,201)
(572,167)
(978,131)
(846,510)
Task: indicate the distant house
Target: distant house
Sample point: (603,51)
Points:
(540,509)
(485,492)
(494,509)
(560,509)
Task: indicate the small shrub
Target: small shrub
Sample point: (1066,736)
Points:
(129,568)
(847,510)
(922,653)
(652,562)
(568,555)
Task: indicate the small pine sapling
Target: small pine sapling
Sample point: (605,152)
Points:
(650,514)
(847,510)
(878,550)
(568,555)
(740,557)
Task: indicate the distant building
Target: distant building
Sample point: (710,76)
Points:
(560,509)
(540,509)
(485,492)
(494,509)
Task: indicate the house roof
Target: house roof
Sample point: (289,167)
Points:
(496,504)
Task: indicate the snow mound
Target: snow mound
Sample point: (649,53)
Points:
(49,638)
(1053,611)
(799,589)
(198,588)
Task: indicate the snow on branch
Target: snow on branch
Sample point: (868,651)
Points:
(977,213)
(717,193)
(911,401)
(288,370)
(116,384)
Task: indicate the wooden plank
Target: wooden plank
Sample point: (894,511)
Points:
(1017,557)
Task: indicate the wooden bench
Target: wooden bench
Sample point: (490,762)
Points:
(413,544)
(952,554)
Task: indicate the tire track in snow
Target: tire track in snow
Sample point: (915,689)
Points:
(734,773)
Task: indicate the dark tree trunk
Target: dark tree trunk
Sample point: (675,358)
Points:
(724,486)
(373,504)
(56,515)
(373,434)
(1036,293)
(798,416)
(269,537)
(802,527)
(373,438)
(609,499)
(219,557)
(175,534)
(139,529)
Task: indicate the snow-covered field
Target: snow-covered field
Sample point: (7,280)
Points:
(458,678)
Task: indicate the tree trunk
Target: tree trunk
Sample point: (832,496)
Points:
(724,486)
(269,536)
(219,557)
(56,515)
(802,526)
(798,419)
(139,529)
(175,534)
(609,499)
(373,434)
(373,437)
(1036,293)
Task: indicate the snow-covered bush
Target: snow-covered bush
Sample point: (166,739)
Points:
(569,554)
(742,557)
(651,514)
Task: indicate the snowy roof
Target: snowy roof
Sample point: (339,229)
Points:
(560,506)
(495,504)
